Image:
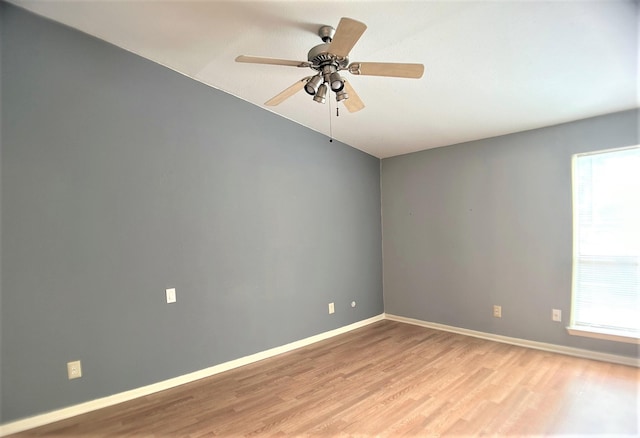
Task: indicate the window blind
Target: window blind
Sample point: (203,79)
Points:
(606,285)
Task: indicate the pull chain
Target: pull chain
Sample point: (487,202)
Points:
(330,124)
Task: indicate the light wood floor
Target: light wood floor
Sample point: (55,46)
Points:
(386,379)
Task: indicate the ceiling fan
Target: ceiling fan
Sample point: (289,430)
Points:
(330,58)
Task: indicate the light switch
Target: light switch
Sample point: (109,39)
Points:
(171,295)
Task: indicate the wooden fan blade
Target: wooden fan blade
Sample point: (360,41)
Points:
(353,103)
(347,35)
(271,61)
(390,69)
(278,99)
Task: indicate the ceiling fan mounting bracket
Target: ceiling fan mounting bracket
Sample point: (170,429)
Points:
(326,33)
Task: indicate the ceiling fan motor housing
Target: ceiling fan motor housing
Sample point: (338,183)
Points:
(319,56)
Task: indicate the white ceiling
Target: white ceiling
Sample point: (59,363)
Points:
(491,68)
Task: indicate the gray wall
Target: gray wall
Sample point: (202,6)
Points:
(121,178)
(490,222)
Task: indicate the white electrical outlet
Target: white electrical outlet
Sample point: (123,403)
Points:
(353,304)
(332,308)
(556,315)
(74,370)
(171,295)
(497,311)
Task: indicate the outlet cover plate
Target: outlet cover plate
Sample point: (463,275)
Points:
(74,369)
(332,308)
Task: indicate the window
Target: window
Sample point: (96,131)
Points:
(606,263)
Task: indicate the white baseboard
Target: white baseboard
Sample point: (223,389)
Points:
(553,348)
(82,408)
(72,411)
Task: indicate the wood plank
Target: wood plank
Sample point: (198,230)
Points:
(386,379)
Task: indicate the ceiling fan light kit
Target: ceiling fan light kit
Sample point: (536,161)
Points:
(331,57)
(313,84)
(321,93)
(341,95)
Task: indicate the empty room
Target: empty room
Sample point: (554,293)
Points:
(329,218)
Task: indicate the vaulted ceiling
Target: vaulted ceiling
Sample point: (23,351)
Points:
(491,68)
